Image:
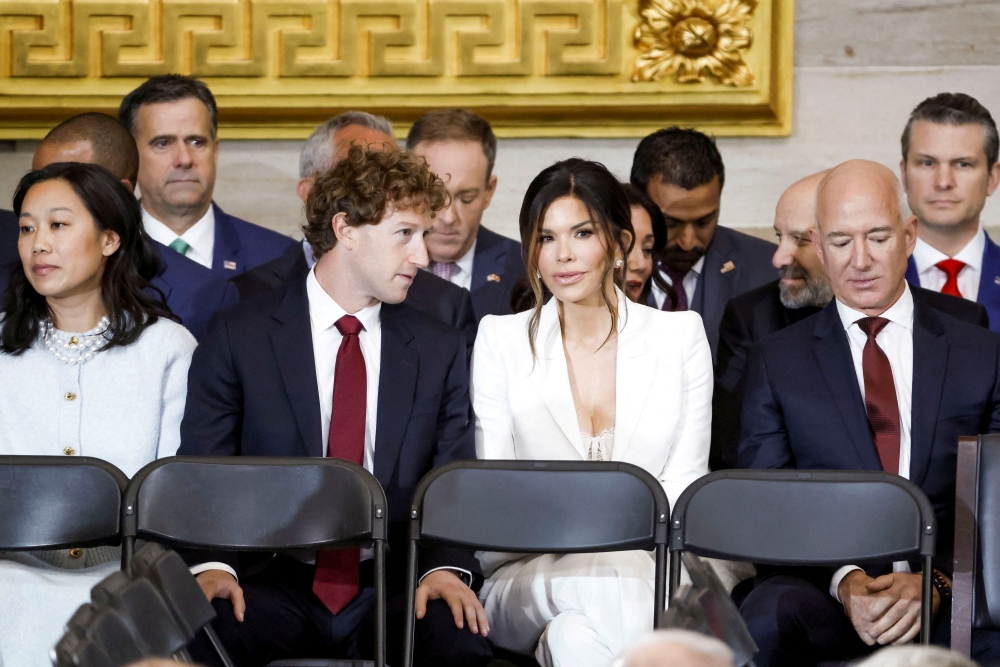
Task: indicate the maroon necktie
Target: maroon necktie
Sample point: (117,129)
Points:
(677,278)
(951,268)
(336,581)
(880,395)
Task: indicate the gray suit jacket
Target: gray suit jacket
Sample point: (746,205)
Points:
(735,263)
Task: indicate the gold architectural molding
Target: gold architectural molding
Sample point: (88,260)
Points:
(533,67)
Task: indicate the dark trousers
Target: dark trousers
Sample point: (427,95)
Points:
(794,622)
(284,619)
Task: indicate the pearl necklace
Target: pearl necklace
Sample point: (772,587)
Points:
(76,349)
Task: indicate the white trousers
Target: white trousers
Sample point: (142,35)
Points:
(580,610)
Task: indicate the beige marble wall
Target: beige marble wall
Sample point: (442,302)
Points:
(861,66)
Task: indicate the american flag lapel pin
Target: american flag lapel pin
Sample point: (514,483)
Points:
(996,280)
(229,265)
(727,267)
(493,278)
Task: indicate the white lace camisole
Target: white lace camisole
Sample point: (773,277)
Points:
(598,447)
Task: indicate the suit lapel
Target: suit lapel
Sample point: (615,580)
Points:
(715,288)
(397,386)
(225,256)
(634,377)
(293,349)
(833,353)
(488,260)
(930,363)
(551,376)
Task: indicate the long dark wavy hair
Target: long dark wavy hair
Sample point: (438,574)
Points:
(637,197)
(131,301)
(605,200)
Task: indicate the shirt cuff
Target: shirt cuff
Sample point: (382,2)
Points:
(205,567)
(838,576)
(464,575)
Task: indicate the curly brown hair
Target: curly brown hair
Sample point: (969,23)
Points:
(367,185)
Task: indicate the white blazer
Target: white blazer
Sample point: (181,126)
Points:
(663,411)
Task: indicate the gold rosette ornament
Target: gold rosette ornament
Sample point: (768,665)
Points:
(692,38)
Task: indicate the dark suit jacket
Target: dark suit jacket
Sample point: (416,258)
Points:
(803,406)
(754,316)
(9,231)
(252,391)
(989,281)
(242,245)
(497,266)
(193,292)
(435,296)
(718,283)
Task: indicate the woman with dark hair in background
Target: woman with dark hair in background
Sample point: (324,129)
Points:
(90,365)
(650,238)
(585,375)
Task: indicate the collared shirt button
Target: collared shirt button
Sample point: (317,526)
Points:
(70,396)
(69,451)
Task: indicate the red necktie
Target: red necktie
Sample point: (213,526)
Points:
(951,267)
(677,278)
(880,395)
(336,581)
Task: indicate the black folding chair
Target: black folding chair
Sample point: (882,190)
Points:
(59,502)
(976,579)
(538,507)
(260,504)
(762,516)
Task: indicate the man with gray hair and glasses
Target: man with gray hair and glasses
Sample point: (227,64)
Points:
(326,146)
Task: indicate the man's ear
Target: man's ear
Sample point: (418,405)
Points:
(303,187)
(910,233)
(345,233)
(814,238)
(491,189)
(994,180)
(902,173)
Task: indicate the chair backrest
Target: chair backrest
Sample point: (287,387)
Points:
(803,517)
(52,502)
(541,506)
(986,601)
(255,503)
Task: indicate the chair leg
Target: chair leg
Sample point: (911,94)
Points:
(379,603)
(659,595)
(675,573)
(926,602)
(411,599)
(216,643)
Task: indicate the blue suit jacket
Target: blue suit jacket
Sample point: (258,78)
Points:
(803,406)
(734,263)
(192,292)
(496,267)
(252,392)
(242,245)
(9,231)
(989,281)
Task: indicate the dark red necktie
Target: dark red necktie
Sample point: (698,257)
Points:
(951,268)
(880,395)
(336,581)
(677,279)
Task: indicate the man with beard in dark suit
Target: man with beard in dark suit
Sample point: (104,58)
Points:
(801,291)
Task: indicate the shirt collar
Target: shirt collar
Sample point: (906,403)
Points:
(925,256)
(307,249)
(698,266)
(900,312)
(199,236)
(464,263)
(324,311)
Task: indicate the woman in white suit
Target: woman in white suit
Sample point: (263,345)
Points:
(585,375)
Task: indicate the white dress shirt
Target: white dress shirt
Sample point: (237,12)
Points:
(200,236)
(896,340)
(690,283)
(931,277)
(323,315)
(463,269)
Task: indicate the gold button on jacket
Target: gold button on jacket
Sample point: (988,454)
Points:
(70,396)
(69,451)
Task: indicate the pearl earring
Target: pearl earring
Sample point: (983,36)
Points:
(618,264)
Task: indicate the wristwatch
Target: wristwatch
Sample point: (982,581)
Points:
(942,585)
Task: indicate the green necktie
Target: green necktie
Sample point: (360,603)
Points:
(180,245)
